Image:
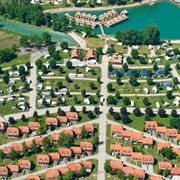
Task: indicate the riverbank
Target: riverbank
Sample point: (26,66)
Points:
(70,9)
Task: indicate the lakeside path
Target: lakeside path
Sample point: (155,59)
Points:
(70,9)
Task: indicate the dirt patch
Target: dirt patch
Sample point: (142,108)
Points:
(1,33)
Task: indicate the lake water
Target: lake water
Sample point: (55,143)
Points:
(165,14)
(27,29)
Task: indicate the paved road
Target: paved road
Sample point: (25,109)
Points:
(175,73)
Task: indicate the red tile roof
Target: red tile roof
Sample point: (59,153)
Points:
(156,178)
(87,164)
(175,171)
(13,131)
(34,125)
(17,147)
(24,164)
(65,152)
(63,170)
(151,125)
(116,128)
(116,165)
(62,119)
(76,150)
(3,171)
(86,145)
(55,156)
(24,129)
(165,165)
(147,141)
(42,159)
(51,120)
(52,173)
(14,168)
(72,116)
(74,53)
(75,167)
(89,127)
(31,177)
(161,145)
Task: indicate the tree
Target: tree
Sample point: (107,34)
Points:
(92,85)
(23,78)
(168,153)
(6,77)
(167,69)
(69,65)
(25,150)
(47,113)
(110,67)
(116,116)
(88,30)
(110,87)
(83,93)
(125,67)
(169,95)
(146,101)
(46,38)
(174,113)
(60,112)
(23,118)
(44,69)
(111,100)
(51,49)
(68,79)
(52,64)
(174,122)
(84,109)
(137,112)
(46,144)
(150,81)
(56,56)
(126,101)
(107,166)
(52,94)
(72,109)
(13,154)
(135,53)
(39,63)
(123,111)
(117,95)
(66,141)
(35,114)
(64,45)
(118,80)
(155,67)
(111,111)
(175,80)
(97,110)
(11,120)
(133,81)
(24,41)
(84,133)
(126,119)
(82,172)
(98,94)
(162,113)
(2,155)
(91,115)
(111,51)
(149,111)
(120,175)
(22,70)
(68,175)
(34,148)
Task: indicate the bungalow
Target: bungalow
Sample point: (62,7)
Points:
(87,148)
(176,150)
(13,168)
(161,145)
(151,125)
(55,138)
(33,126)
(52,174)
(126,134)
(75,55)
(139,173)
(62,120)
(77,132)
(24,164)
(172,134)
(72,116)
(115,149)
(28,144)
(136,137)
(42,159)
(175,172)
(12,132)
(67,132)
(165,166)
(147,159)
(147,142)
(91,57)
(17,147)
(2,127)
(74,167)
(89,129)
(24,129)
(156,178)
(127,171)
(38,141)
(3,172)
(54,156)
(76,151)
(6,150)
(33,177)
(51,121)
(126,151)
(65,154)
(63,170)
(161,131)
(116,130)
(87,165)
(136,156)
(116,165)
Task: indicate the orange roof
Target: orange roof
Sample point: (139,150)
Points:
(148,159)
(28,143)
(161,145)
(136,156)
(90,54)
(55,156)
(72,116)
(67,132)
(86,145)
(74,53)
(42,158)
(115,147)
(39,140)
(63,170)
(13,168)
(75,167)
(77,131)
(24,129)
(139,173)
(76,150)
(66,152)
(31,177)
(172,132)
(175,171)
(6,150)
(86,164)
(136,136)
(24,164)
(17,147)
(161,129)
(127,170)
(151,124)
(116,165)
(3,171)
(13,131)
(148,141)
(51,120)
(125,150)
(52,173)
(156,178)
(55,137)
(176,150)
(126,133)
(116,128)
(33,125)
(89,127)
(178,136)
(165,165)
(62,119)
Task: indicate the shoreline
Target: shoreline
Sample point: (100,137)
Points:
(70,9)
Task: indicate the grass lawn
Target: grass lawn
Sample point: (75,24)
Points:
(94,42)
(111,177)
(7,39)
(82,84)
(47,6)
(118,48)
(18,61)
(144,50)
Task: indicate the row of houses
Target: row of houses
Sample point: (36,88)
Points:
(170,134)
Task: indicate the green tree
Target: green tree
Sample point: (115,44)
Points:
(46,38)
(135,53)
(107,167)
(64,45)
(66,141)
(51,49)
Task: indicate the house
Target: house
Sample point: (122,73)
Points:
(72,116)
(136,137)
(176,150)
(165,165)
(17,147)
(116,130)
(3,172)
(116,59)
(115,149)
(126,151)
(13,168)
(24,164)
(74,167)
(54,156)
(75,55)
(156,178)
(63,170)
(139,173)
(87,147)
(12,132)
(33,126)
(146,91)
(87,101)
(175,172)
(147,142)
(127,170)
(67,132)
(51,121)
(77,132)
(42,159)
(38,141)
(55,138)
(116,165)
(91,57)
(52,174)
(87,165)
(76,151)
(171,133)
(28,144)
(161,145)
(147,159)
(62,120)
(89,129)
(6,150)
(24,129)
(33,177)
(126,134)
(151,125)
(161,131)
(65,153)
(2,127)
(136,156)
